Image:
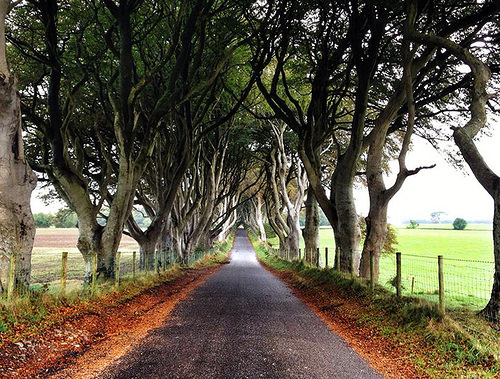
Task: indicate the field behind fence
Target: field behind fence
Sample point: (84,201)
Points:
(54,245)
(467,258)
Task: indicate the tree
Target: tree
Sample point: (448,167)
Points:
(338,45)
(413,225)
(65,218)
(43,220)
(286,186)
(459,224)
(463,136)
(436,216)
(17,181)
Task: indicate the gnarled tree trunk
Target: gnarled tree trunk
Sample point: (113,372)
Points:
(311,229)
(17,181)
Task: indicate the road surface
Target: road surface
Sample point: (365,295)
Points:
(242,323)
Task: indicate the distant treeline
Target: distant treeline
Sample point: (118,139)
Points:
(66,218)
(427,221)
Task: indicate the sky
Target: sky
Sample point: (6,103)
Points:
(442,188)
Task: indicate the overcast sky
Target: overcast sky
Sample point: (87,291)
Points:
(442,188)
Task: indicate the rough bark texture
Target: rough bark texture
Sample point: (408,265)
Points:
(311,229)
(17,181)
(259,218)
(347,230)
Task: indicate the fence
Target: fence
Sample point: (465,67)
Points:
(467,283)
(451,283)
(56,273)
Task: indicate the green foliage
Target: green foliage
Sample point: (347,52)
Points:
(323,220)
(3,328)
(413,225)
(65,218)
(391,240)
(459,224)
(43,220)
(270,233)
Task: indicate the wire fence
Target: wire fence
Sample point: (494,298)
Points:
(466,284)
(59,272)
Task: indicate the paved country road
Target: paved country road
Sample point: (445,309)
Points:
(242,323)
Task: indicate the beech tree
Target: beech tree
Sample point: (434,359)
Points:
(340,45)
(464,135)
(17,181)
(149,70)
(286,183)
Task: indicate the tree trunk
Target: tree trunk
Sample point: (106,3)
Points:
(492,310)
(376,233)
(293,237)
(347,230)
(311,229)
(17,181)
(259,219)
(147,249)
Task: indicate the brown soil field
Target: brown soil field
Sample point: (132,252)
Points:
(67,238)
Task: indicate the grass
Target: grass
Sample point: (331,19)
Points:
(468,262)
(441,347)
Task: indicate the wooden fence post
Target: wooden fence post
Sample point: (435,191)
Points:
(64,272)
(337,258)
(117,269)
(326,257)
(299,254)
(441,285)
(372,272)
(398,274)
(156,261)
(12,277)
(318,255)
(94,271)
(412,284)
(134,263)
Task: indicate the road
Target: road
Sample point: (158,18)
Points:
(242,323)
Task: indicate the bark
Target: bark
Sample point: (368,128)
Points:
(147,254)
(311,229)
(17,181)
(259,218)
(376,233)
(492,310)
(280,169)
(346,229)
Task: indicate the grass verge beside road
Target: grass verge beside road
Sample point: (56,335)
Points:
(29,315)
(401,337)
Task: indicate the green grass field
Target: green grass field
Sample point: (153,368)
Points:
(468,262)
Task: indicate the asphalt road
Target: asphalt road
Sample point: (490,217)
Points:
(242,323)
